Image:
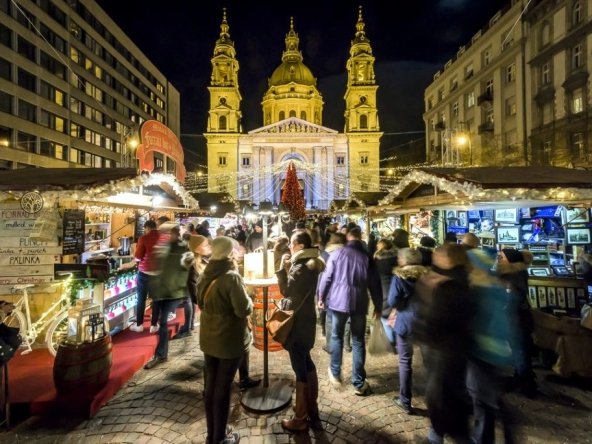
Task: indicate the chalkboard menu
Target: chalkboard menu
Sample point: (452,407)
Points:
(73,238)
(139,228)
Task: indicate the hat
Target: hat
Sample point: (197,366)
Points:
(470,240)
(410,256)
(513,255)
(195,241)
(428,242)
(221,248)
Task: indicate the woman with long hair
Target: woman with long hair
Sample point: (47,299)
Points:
(298,279)
(224,336)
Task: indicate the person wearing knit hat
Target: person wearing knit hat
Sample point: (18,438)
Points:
(513,270)
(224,336)
(222,248)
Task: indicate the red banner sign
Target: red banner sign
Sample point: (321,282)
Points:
(158,138)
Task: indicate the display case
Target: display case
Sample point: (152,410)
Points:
(97,235)
(119,299)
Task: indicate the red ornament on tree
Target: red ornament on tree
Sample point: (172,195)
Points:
(292,195)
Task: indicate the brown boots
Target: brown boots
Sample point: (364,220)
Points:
(306,406)
(299,422)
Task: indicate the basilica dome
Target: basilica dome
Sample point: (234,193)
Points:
(292,71)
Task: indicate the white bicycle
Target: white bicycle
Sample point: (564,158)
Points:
(55,318)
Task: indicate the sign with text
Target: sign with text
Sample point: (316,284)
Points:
(73,236)
(158,138)
(24,259)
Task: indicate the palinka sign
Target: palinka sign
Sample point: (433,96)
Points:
(158,147)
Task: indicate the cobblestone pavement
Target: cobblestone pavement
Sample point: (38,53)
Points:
(165,405)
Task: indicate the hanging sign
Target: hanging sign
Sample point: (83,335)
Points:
(157,138)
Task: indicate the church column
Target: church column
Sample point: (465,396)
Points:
(318,174)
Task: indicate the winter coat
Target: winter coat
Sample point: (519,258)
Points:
(385,261)
(296,284)
(426,256)
(515,277)
(350,274)
(444,310)
(174,260)
(223,333)
(400,297)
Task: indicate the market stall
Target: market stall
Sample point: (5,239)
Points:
(542,209)
(64,233)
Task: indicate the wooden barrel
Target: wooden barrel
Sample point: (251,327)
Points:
(83,366)
(273,294)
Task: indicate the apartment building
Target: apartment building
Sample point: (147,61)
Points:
(517,93)
(558,48)
(74,89)
(474,112)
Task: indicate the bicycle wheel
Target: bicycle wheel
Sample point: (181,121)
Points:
(57,332)
(15,319)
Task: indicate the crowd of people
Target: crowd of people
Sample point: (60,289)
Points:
(464,308)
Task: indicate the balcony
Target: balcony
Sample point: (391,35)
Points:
(440,126)
(486,127)
(487,96)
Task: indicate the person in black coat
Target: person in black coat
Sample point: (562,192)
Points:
(512,267)
(426,248)
(298,280)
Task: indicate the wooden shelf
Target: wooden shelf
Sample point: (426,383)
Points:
(95,224)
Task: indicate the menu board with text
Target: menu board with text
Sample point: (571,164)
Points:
(73,235)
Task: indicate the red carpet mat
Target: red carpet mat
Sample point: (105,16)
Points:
(31,387)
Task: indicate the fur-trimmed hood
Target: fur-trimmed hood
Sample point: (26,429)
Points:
(510,268)
(314,262)
(385,254)
(410,272)
(330,248)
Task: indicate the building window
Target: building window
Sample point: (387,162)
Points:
(246,161)
(454,83)
(363,121)
(364,159)
(487,57)
(26,49)
(5,69)
(5,36)
(545,74)
(546,157)
(577,145)
(27,111)
(27,80)
(340,190)
(576,13)
(470,99)
(489,87)
(26,142)
(510,73)
(469,71)
(511,107)
(340,160)
(440,95)
(222,122)
(5,103)
(282,115)
(303,115)
(292,113)
(430,103)
(222,160)
(577,100)
(455,109)
(577,56)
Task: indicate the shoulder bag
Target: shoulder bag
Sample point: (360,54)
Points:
(279,322)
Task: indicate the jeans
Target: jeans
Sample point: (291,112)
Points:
(301,362)
(165,307)
(219,374)
(405,350)
(188,314)
(358,331)
(329,328)
(142,294)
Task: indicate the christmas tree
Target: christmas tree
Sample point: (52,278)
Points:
(292,195)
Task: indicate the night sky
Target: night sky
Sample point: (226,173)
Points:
(409,46)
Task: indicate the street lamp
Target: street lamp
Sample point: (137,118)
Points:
(463,139)
(129,143)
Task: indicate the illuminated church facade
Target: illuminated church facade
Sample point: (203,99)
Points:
(253,165)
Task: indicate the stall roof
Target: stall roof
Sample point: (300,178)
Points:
(489,186)
(55,179)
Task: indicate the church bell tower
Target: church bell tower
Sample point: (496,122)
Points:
(361,114)
(224,120)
